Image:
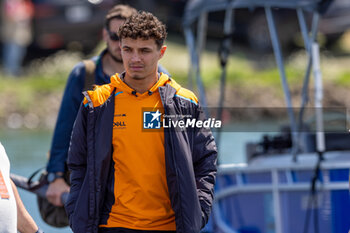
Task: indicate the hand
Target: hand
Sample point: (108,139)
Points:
(55,191)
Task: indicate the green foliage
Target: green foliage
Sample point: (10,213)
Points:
(344,79)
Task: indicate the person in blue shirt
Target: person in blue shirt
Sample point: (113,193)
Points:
(107,64)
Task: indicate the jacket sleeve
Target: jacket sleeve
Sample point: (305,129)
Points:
(77,160)
(71,100)
(204,160)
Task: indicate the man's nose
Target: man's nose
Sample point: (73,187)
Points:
(135,57)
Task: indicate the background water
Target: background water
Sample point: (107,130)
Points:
(27,152)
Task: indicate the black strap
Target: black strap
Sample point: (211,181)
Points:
(90,68)
(31,177)
(33,185)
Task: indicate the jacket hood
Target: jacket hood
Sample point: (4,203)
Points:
(120,85)
(100,94)
(164,79)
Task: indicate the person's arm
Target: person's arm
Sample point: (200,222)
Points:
(204,162)
(70,104)
(25,223)
(77,160)
(71,100)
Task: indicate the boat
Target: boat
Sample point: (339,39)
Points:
(297,181)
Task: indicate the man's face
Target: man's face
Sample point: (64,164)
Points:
(112,44)
(140,57)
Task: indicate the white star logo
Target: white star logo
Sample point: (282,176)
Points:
(156,115)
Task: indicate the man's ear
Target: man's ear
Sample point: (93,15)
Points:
(162,51)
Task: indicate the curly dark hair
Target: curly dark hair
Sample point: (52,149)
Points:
(119,11)
(144,25)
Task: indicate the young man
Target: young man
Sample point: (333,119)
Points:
(107,63)
(129,173)
(13,214)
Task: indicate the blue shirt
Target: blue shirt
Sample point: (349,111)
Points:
(70,104)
